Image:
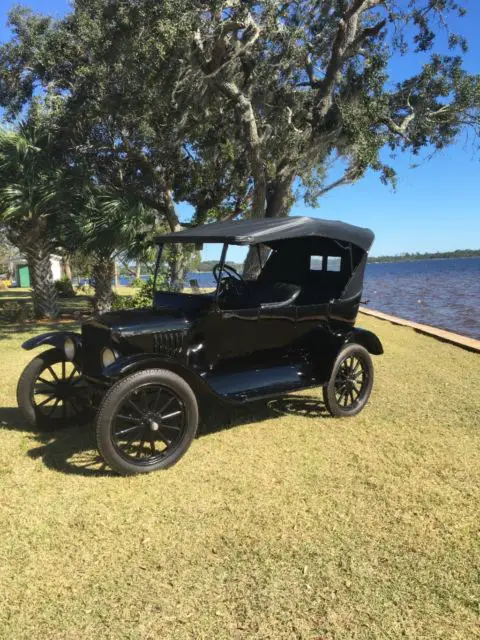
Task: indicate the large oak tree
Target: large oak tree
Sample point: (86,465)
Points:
(229,104)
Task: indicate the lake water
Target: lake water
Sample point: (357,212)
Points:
(442,293)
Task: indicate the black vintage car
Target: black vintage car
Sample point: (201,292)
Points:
(146,372)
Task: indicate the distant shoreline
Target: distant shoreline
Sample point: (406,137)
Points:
(391,260)
(379,260)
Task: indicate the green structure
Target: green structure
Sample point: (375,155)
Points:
(23,276)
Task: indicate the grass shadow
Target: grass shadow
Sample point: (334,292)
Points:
(217,417)
(72,449)
(9,329)
(15,294)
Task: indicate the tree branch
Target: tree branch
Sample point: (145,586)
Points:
(344,45)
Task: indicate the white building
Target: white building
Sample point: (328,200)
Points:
(22,274)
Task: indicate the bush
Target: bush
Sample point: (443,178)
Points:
(85,290)
(15,311)
(64,288)
(142,299)
(119,303)
(144,296)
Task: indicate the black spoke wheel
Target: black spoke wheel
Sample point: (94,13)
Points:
(51,392)
(146,422)
(351,382)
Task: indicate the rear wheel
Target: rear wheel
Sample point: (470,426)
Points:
(146,422)
(51,392)
(351,382)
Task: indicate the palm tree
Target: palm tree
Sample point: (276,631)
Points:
(29,186)
(105,223)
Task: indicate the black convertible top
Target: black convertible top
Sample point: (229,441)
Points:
(269,230)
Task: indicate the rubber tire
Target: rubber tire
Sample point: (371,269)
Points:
(329,398)
(25,389)
(110,403)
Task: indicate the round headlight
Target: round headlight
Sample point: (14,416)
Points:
(69,348)
(108,357)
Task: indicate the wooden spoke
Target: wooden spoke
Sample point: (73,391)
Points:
(53,373)
(50,397)
(129,430)
(53,407)
(49,382)
(170,415)
(135,406)
(165,406)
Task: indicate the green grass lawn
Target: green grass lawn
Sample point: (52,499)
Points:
(278,523)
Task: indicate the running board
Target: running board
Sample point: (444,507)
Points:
(244,386)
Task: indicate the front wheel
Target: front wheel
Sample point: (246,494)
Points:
(146,422)
(51,392)
(351,382)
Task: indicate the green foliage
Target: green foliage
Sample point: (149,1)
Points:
(85,290)
(142,299)
(144,295)
(121,303)
(64,288)
(13,311)
(30,180)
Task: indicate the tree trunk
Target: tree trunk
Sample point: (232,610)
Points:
(102,275)
(66,269)
(178,260)
(115,274)
(44,294)
(176,267)
(279,201)
(138,270)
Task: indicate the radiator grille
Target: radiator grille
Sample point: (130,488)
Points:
(170,343)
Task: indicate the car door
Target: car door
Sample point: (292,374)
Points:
(276,327)
(233,334)
(251,334)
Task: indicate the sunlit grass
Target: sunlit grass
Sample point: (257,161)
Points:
(287,525)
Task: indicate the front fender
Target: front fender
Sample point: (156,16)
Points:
(367,339)
(54,338)
(138,361)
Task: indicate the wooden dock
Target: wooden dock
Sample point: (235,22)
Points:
(446,336)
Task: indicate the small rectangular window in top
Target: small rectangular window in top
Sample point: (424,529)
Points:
(334,263)
(316,263)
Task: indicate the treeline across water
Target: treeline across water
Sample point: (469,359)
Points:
(438,255)
(207,265)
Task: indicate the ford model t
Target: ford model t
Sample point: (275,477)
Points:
(146,372)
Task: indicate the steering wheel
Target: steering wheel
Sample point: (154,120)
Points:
(230,281)
(230,272)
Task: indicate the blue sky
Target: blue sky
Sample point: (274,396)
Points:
(436,206)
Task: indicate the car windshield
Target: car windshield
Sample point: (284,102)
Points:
(200,266)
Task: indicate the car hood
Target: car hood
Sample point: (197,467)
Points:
(138,321)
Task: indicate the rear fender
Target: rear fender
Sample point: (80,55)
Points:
(367,339)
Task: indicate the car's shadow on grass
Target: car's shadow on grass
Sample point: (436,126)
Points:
(72,449)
